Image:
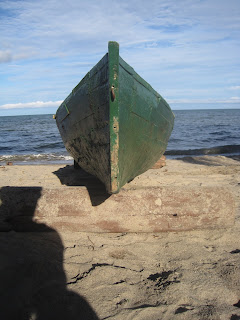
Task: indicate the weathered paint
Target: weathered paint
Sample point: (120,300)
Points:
(114,124)
(146,122)
(113,61)
(85,127)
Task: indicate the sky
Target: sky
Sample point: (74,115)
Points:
(188,50)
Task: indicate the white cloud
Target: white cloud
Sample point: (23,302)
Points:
(235,88)
(5,56)
(31,105)
(185,49)
(49,104)
(57,27)
(232,100)
(235,99)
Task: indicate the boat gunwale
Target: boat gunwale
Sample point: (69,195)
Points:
(141,81)
(90,72)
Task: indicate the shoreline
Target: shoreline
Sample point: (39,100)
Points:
(213,160)
(68,160)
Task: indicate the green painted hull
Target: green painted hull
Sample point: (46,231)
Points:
(113,123)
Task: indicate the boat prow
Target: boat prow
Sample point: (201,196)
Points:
(113,123)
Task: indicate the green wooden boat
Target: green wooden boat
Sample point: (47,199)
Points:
(113,123)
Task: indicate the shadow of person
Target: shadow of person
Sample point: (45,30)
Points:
(71,177)
(32,279)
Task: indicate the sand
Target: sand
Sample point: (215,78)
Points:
(56,274)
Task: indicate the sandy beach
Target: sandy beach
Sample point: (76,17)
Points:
(55,273)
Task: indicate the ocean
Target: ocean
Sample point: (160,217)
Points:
(34,139)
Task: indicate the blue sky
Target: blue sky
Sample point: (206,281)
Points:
(188,50)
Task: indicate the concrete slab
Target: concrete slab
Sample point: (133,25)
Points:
(184,195)
(152,209)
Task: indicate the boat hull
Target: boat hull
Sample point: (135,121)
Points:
(113,123)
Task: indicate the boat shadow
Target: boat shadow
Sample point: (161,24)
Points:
(70,176)
(32,277)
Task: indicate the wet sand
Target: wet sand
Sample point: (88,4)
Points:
(55,274)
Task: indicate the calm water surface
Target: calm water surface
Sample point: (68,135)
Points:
(35,139)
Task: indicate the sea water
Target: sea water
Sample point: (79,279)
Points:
(34,139)
(201,132)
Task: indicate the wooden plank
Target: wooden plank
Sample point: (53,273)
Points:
(113,69)
(145,124)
